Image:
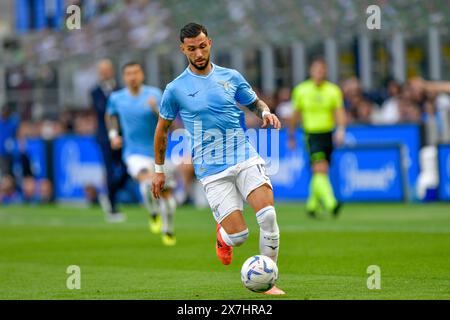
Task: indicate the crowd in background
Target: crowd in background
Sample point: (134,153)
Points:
(18,181)
(392,104)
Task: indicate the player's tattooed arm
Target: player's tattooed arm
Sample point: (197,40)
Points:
(261,109)
(258,107)
(112,123)
(161,140)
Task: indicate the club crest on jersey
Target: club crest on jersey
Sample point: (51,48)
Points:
(226,85)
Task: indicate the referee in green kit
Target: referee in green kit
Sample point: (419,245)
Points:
(319,105)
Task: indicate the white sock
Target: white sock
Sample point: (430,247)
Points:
(225,236)
(235,239)
(167,207)
(147,198)
(269,234)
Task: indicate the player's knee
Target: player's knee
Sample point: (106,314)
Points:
(261,197)
(267,219)
(239,238)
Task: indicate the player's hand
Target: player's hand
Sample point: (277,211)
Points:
(339,137)
(271,120)
(159,180)
(152,104)
(116,143)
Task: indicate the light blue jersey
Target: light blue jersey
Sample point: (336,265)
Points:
(137,119)
(208,108)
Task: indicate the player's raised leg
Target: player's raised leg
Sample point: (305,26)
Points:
(231,232)
(227,205)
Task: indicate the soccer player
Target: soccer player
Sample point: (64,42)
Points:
(112,159)
(206,96)
(318,103)
(136,107)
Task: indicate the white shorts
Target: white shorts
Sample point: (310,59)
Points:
(137,163)
(227,190)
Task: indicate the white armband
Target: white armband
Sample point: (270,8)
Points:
(159,168)
(265,113)
(113,133)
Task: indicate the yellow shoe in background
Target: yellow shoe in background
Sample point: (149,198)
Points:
(155,224)
(169,240)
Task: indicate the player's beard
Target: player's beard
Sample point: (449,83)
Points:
(200,68)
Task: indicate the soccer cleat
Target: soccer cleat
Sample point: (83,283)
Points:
(275,291)
(224,252)
(155,223)
(169,240)
(337,210)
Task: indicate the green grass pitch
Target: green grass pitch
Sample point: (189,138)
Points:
(325,259)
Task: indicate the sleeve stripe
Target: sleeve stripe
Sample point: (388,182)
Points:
(166,117)
(251,101)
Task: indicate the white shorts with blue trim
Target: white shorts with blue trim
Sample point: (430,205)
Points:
(227,190)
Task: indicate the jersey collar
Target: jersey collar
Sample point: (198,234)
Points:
(213,67)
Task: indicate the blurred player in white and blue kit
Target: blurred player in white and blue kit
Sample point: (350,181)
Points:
(132,115)
(231,171)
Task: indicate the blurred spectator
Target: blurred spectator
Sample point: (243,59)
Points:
(430,108)
(270,100)
(67,120)
(8,191)
(353,95)
(45,191)
(363,112)
(417,93)
(50,129)
(389,113)
(9,124)
(443,102)
(408,111)
(91,195)
(28,129)
(29,190)
(435,101)
(434,120)
(85,123)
